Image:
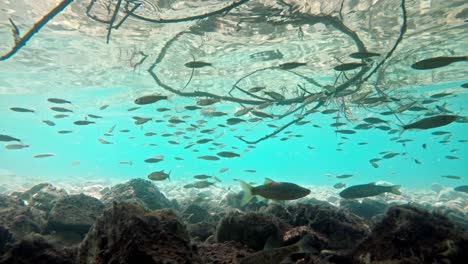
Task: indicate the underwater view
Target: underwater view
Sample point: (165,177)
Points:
(244,131)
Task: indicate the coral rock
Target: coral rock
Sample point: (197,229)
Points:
(43,196)
(411,235)
(75,213)
(342,229)
(34,250)
(139,191)
(127,233)
(251,229)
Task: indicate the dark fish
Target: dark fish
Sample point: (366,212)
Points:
(61,110)
(223,170)
(124,130)
(208,157)
(463,188)
(374,120)
(192,107)
(153,160)
(162,109)
(207,101)
(197,64)
(291,65)
(273,190)
(465,85)
(58,101)
(451,177)
(83,122)
(234,121)
(424,146)
(440,95)
(329,111)
(363,55)
(227,154)
(437,62)
(345,131)
(21,110)
(432,122)
(274,95)
(150,134)
(48,122)
(16,146)
(202,184)
(439,133)
(261,114)
(243,111)
(264,105)
(256,89)
(277,255)
(390,155)
(250,171)
(203,141)
(94,116)
(337,124)
(159,175)
(384,128)
(105,142)
(339,185)
(344,176)
(363,126)
(349,66)
(176,121)
(103,107)
(428,101)
(417,161)
(452,157)
(362,143)
(133,108)
(65,131)
(60,116)
(368,190)
(45,155)
(149,99)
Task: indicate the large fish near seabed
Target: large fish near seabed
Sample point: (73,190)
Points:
(368,190)
(278,255)
(273,190)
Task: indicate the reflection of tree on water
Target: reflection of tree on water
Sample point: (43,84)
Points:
(355,85)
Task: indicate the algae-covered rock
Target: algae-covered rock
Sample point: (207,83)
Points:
(20,219)
(138,191)
(43,196)
(411,235)
(342,229)
(250,229)
(127,233)
(34,249)
(75,213)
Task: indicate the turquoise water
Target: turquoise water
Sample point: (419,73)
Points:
(289,160)
(70,59)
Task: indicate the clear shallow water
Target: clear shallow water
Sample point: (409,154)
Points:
(69,59)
